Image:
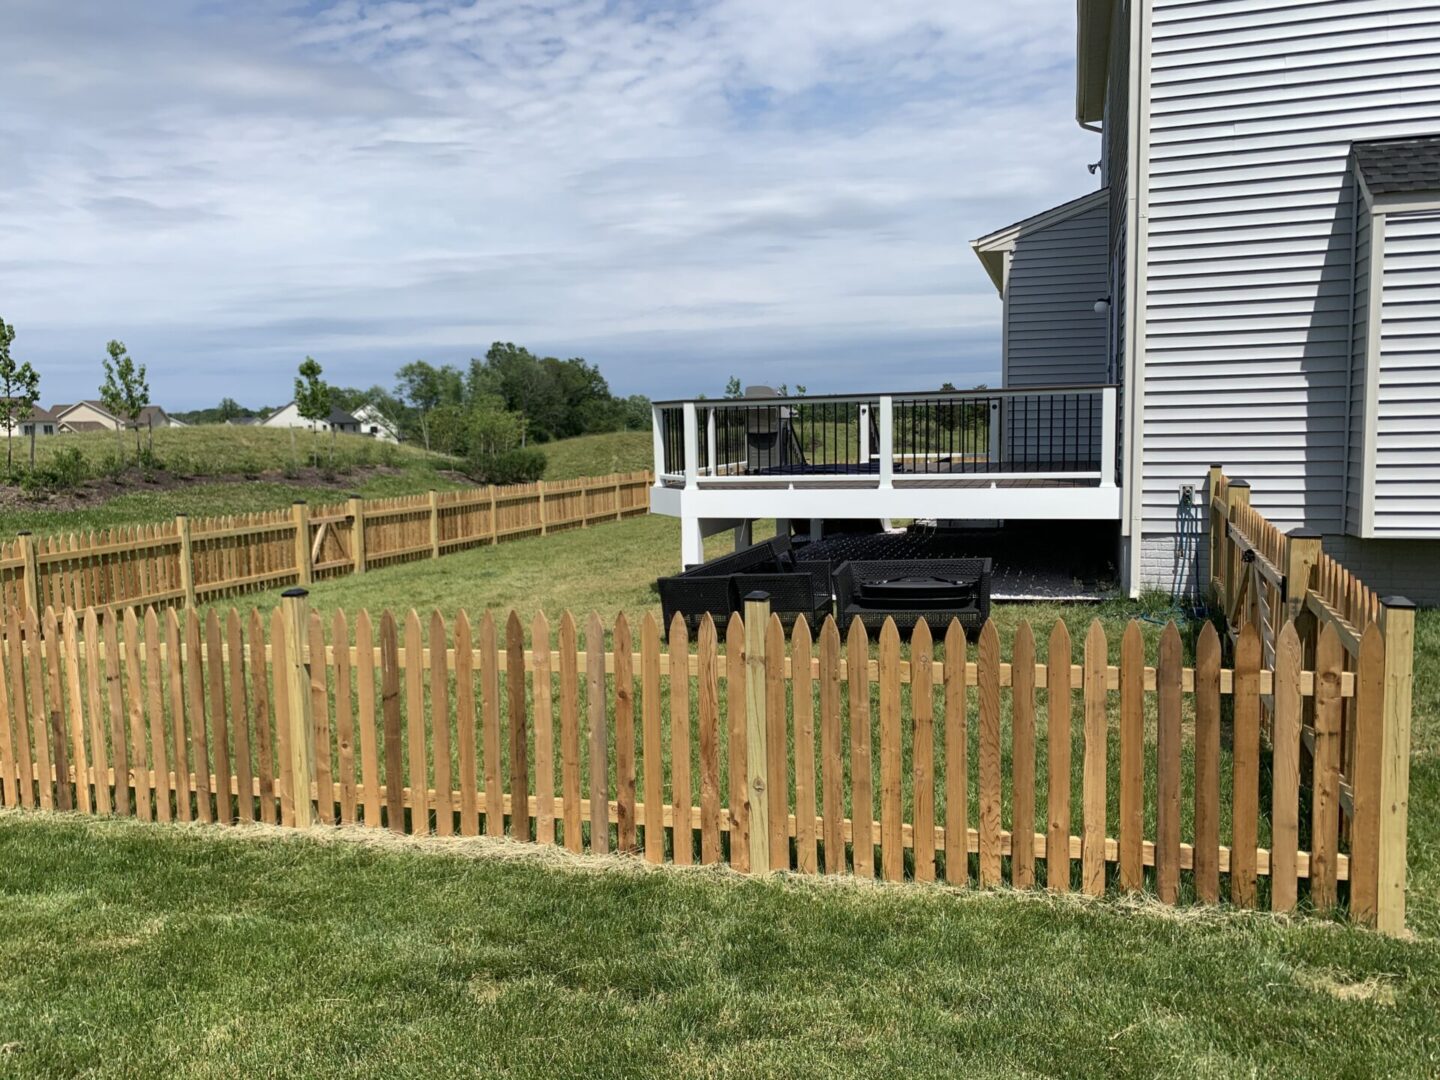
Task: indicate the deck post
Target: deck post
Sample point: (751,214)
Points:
(1397,623)
(1108,466)
(887,443)
(757,618)
(692,542)
(864,435)
(712,449)
(743,535)
(692,444)
(657,433)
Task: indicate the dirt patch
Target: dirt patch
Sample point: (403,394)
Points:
(1378,989)
(98,492)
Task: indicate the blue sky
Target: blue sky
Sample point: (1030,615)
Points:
(785,191)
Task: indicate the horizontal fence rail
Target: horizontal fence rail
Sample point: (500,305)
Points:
(1284,582)
(190,561)
(923,759)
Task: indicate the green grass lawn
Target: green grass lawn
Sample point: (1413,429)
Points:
(238,470)
(144,949)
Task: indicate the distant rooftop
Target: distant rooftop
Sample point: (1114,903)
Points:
(1399,166)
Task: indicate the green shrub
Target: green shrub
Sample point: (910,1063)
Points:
(520,465)
(66,469)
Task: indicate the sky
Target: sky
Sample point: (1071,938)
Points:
(782,190)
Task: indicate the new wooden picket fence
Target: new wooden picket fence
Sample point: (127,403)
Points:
(932,760)
(186,561)
(1261,576)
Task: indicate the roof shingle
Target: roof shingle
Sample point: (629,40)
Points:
(1397,166)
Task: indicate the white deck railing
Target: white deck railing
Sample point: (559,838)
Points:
(876,440)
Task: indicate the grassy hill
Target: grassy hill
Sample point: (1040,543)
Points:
(214,469)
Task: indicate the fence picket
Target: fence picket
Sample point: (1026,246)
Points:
(415,725)
(862,798)
(365,719)
(708,688)
(55,723)
(957,760)
(219,729)
(440,727)
(344,723)
(1168,677)
(1132,758)
(1207,765)
(1245,755)
(803,708)
(1057,741)
(490,722)
(199,761)
(1096,757)
(678,669)
(519,729)
(1365,831)
(569,735)
(135,708)
(892,847)
(988,684)
(738,738)
(240,720)
(75,700)
(650,749)
(99,750)
(1022,757)
(20,788)
(544,730)
(625,830)
(390,708)
(777,766)
(1325,804)
(922,742)
(599,741)
(180,739)
(832,808)
(1285,772)
(260,699)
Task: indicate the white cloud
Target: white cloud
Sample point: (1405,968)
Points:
(676,192)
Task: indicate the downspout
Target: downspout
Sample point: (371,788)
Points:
(1136,252)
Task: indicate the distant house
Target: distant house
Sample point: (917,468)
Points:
(94,416)
(41,421)
(376,424)
(245,421)
(288,416)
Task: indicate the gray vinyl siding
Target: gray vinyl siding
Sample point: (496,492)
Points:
(1407,413)
(1053,336)
(1355,448)
(1248,292)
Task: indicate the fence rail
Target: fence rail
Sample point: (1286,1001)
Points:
(189,561)
(1283,582)
(768,754)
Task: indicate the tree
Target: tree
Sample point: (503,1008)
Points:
(312,401)
(125,392)
(733,388)
(424,388)
(229,409)
(19,391)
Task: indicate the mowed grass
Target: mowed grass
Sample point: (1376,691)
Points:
(241,470)
(145,949)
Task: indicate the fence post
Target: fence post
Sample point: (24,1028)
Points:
(1301,560)
(619,513)
(1237,494)
(187,562)
(540,486)
(757,617)
(1397,623)
(494,522)
(297,690)
(357,532)
(1217,531)
(31,570)
(301,514)
(434,524)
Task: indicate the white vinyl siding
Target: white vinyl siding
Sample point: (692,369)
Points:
(1407,412)
(1053,335)
(1248,295)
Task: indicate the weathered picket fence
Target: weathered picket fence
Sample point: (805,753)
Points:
(742,751)
(1263,577)
(183,561)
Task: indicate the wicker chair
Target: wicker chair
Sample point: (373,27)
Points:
(908,590)
(707,587)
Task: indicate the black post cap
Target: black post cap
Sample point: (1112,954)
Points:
(354,495)
(758,596)
(25,532)
(299,502)
(1401,603)
(1304,534)
(296,593)
(1240,483)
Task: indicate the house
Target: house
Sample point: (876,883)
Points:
(41,421)
(288,416)
(95,416)
(376,424)
(1254,284)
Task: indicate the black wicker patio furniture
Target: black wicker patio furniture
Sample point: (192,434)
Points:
(908,590)
(708,588)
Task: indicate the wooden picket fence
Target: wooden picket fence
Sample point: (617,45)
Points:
(752,750)
(1273,580)
(184,562)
